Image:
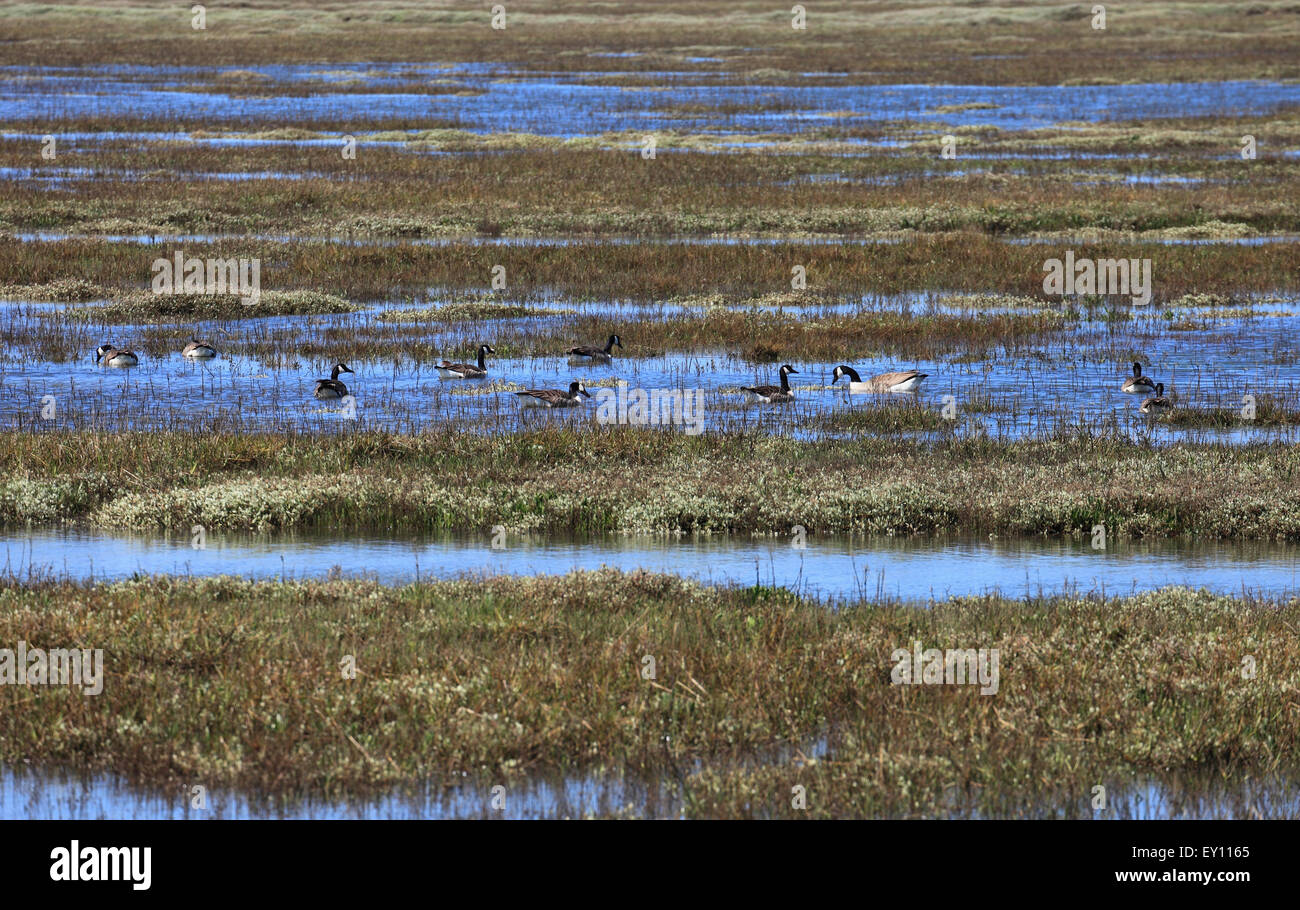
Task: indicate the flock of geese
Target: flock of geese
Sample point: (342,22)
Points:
(883,383)
(332,388)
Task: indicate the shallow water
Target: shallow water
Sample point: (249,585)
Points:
(54,796)
(1068,378)
(28,795)
(905,569)
(560,105)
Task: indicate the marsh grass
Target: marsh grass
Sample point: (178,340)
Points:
(572,477)
(471,311)
(585,270)
(239,684)
(1269,411)
(132,305)
(143,306)
(883,416)
(906,43)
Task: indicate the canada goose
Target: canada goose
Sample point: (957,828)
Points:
(1159,403)
(900,381)
(553,398)
(114,357)
(199,350)
(774,394)
(1137,383)
(333,387)
(601,355)
(451,370)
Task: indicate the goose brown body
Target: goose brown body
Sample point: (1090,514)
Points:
(774,394)
(591,352)
(897,381)
(554,398)
(1157,404)
(199,350)
(451,370)
(1137,383)
(115,357)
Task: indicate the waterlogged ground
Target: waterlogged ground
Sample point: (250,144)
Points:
(537,155)
(487,98)
(901,569)
(1212,359)
(53,796)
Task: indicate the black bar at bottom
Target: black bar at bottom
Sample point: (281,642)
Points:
(922,859)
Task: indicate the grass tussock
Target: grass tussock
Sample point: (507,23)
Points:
(143,306)
(464,311)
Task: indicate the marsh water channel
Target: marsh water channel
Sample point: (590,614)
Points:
(913,569)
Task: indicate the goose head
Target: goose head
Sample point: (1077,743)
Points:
(577,388)
(101,351)
(1137,368)
(615,340)
(848,372)
(787,369)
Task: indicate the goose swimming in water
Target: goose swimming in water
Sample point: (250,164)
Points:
(333,387)
(899,381)
(1159,404)
(774,394)
(451,370)
(115,357)
(553,398)
(599,355)
(198,350)
(1137,383)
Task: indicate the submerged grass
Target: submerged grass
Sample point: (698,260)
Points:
(1267,410)
(240,684)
